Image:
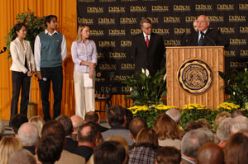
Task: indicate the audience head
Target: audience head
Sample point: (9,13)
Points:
(53,128)
(210,153)
(8,145)
(91,117)
(38,122)
(147,136)
(116,116)
(120,140)
(77,121)
(192,141)
(223,131)
(28,134)
(239,123)
(17,121)
(165,127)
(203,23)
(236,151)
(146,26)
(136,125)
(65,121)
(22,156)
(196,124)
(110,152)
(87,133)
(221,116)
(49,149)
(174,114)
(167,155)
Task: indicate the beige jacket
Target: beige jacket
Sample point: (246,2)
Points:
(19,53)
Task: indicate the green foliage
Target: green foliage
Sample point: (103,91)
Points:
(236,85)
(147,89)
(34,24)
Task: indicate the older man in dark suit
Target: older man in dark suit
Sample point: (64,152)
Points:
(148,49)
(204,36)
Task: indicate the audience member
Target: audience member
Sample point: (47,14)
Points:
(120,140)
(236,151)
(167,131)
(8,145)
(174,114)
(93,117)
(135,126)
(17,121)
(144,149)
(223,131)
(196,124)
(210,153)
(29,136)
(38,122)
(110,152)
(117,120)
(167,155)
(77,121)
(190,144)
(220,117)
(22,156)
(239,123)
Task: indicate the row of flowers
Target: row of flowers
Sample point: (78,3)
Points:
(161,107)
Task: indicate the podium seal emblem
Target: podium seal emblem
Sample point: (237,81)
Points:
(195,76)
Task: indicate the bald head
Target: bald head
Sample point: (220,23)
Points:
(202,23)
(28,134)
(210,153)
(76,121)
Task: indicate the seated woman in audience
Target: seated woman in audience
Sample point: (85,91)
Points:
(145,147)
(167,131)
(8,145)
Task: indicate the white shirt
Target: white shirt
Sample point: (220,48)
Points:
(37,49)
(149,36)
(19,53)
(199,34)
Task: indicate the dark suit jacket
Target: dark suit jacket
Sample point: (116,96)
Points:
(212,37)
(152,57)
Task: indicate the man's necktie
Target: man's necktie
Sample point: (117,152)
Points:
(201,40)
(147,41)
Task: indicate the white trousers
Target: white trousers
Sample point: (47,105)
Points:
(84,96)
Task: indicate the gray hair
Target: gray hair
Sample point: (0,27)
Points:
(28,134)
(193,140)
(223,131)
(239,123)
(21,156)
(174,114)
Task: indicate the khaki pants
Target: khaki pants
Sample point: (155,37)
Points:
(84,96)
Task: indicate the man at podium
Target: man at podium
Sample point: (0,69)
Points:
(205,36)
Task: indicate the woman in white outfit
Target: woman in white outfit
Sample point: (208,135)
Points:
(22,68)
(84,56)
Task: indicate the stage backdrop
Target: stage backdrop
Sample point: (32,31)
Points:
(115,22)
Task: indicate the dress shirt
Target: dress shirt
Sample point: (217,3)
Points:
(37,48)
(85,51)
(149,36)
(21,53)
(199,34)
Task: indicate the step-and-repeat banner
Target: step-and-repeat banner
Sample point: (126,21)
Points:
(114,23)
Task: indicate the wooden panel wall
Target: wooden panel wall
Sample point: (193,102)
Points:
(176,56)
(67,18)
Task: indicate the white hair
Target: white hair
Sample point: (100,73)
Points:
(223,131)
(238,124)
(28,134)
(174,114)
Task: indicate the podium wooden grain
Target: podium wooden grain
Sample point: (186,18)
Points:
(213,56)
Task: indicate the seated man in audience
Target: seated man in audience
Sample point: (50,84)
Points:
(190,144)
(87,140)
(93,117)
(210,153)
(117,120)
(77,121)
(135,126)
(110,152)
(223,132)
(22,156)
(168,155)
(17,121)
(56,130)
(29,136)
(70,144)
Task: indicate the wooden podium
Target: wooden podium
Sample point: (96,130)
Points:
(192,75)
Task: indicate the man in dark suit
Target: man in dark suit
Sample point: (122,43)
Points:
(204,36)
(148,49)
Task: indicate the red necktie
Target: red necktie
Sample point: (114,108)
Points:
(147,41)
